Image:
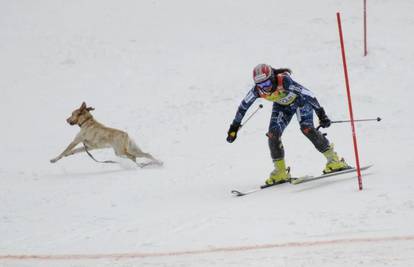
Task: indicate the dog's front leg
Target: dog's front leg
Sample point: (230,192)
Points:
(77,150)
(68,151)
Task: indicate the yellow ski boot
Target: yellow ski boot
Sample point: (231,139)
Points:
(334,163)
(280,174)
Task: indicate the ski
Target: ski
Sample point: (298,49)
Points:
(298,180)
(306,179)
(238,193)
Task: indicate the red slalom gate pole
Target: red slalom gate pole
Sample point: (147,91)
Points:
(365,29)
(348,91)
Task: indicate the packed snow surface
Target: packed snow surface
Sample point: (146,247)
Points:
(172,74)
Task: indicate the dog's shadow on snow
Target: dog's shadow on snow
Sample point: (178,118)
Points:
(324,182)
(85,174)
(115,169)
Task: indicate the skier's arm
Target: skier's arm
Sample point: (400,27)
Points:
(306,96)
(245,105)
(324,120)
(241,111)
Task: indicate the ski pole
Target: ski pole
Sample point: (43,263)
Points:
(377,119)
(254,112)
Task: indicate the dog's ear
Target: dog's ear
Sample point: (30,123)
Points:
(90,108)
(83,106)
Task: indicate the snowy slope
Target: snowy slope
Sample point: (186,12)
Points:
(171,74)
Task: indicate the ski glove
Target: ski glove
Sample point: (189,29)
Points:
(324,121)
(232,132)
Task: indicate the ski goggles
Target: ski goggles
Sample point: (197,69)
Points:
(265,84)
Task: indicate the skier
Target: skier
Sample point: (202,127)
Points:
(289,98)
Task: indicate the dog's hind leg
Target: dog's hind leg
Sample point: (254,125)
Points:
(132,157)
(132,148)
(121,149)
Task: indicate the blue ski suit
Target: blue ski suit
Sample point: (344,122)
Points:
(288,99)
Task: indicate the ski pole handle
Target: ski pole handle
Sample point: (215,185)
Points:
(254,112)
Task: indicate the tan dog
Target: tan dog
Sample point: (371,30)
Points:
(94,135)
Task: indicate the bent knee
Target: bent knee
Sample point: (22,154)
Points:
(274,134)
(307,130)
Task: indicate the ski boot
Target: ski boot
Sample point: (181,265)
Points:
(280,174)
(334,163)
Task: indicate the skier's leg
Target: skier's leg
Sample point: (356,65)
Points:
(321,143)
(305,117)
(280,118)
(334,162)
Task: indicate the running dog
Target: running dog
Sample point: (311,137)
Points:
(94,135)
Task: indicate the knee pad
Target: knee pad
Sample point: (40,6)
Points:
(319,140)
(273,134)
(305,129)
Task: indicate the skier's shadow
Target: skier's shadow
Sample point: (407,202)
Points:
(323,183)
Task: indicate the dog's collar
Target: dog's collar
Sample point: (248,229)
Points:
(80,124)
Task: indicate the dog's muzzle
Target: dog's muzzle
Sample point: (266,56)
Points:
(70,122)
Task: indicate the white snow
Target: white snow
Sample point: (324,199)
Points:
(171,74)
